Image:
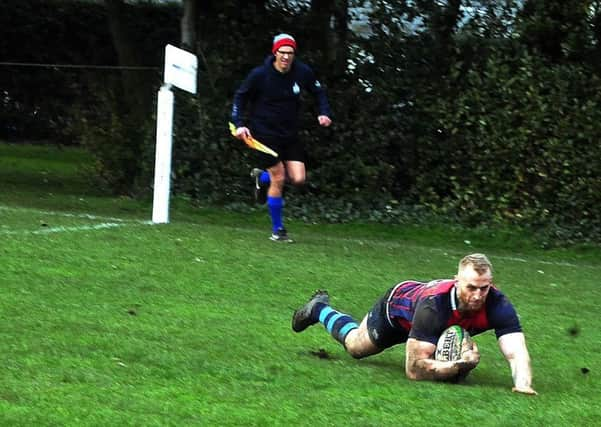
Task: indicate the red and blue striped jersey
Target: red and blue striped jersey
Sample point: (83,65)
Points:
(427,309)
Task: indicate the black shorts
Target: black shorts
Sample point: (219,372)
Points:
(382,332)
(287,149)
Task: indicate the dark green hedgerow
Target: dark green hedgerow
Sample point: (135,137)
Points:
(476,129)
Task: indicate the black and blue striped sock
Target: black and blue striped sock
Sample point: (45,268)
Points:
(336,323)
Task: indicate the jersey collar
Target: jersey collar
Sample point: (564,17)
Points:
(454,298)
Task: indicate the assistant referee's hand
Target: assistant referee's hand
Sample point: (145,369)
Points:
(242,132)
(324,121)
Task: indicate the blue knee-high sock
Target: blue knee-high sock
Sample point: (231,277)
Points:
(275,206)
(336,323)
(264,178)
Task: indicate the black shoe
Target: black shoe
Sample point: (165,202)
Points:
(303,317)
(281,236)
(260,189)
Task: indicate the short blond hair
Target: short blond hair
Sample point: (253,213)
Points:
(480,262)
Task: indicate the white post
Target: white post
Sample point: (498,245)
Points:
(180,71)
(162,168)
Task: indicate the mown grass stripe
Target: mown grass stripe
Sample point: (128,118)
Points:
(349,240)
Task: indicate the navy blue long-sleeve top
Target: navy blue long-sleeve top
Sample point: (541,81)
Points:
(273,99)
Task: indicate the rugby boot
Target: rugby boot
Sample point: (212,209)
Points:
(304,316)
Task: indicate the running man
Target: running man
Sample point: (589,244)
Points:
(270,95)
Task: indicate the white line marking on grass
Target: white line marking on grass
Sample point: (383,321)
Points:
(76,228)
(64,214)
(102,226)
(109,222)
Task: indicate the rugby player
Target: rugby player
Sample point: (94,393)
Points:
(416,313)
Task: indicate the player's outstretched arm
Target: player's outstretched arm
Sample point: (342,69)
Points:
(421,365)
(513,347)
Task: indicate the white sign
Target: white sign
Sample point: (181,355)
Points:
(180,68)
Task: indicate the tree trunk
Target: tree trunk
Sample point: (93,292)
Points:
(188,25)
(136,91)
(341,35)
(134,103)
(322,36)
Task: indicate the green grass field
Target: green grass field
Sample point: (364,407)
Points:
(108,320)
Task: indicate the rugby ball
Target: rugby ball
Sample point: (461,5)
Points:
(449,344)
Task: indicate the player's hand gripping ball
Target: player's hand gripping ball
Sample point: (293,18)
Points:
(456,345)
